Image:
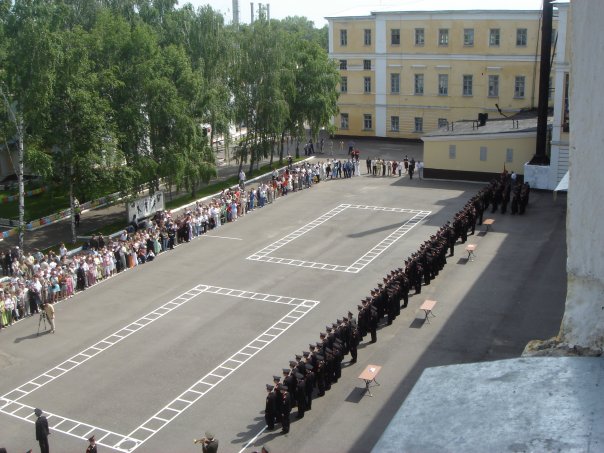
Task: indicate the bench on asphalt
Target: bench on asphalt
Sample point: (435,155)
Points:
(368,375)
(488,223)
(428,306)
(470,248)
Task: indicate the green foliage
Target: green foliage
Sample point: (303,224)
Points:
(114,93)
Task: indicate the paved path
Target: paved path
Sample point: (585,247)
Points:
(159,354)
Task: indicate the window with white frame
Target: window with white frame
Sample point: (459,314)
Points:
(395,83)
(418,86)
(394,123)
(442,122)
(494,37)
(343,120)
(443,37)
(343,65)
(367,37)
(343,84)
(468,37)
(483,153)
(367,84)
(493,86)
(468,82)
(419,124)
(419,37)
(521,37)
(519,87)
(509,155)
(367,65)
(443,84)
(343,37)
(452,151)
(395,36)
(367,122)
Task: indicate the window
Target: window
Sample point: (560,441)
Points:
(343,64)
(521,37)
(419,124)
(394,123)
(395,36)
(442,122)
(494,37)
(509,155)
(343,120)
(467,85)
(419,37)
(367,122)
(343,84)
(343,37)
(443,37)
(452,151)
(367,84)
(519,87)
(395,83)
(443,84)
(367,37)
(493,85)
(483,153)
(468,37)
(367,64)
(419,84)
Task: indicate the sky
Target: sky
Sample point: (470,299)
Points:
(317,10)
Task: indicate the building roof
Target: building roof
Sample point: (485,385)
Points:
(431,6)
(527,404)
(512,125)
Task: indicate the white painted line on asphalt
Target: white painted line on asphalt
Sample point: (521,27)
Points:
(220,237)
(360,263)
(11,408)
(127,443)
(102,345)
(253,439)
(220,372)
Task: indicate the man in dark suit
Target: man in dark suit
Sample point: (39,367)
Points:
(271,407)
(286,408)
(42,431)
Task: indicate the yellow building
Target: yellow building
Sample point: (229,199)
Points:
(411,71)
(467,151)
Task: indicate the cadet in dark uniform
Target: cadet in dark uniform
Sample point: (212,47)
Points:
(309,385)
(270,410)
(286,408)
(92,447)
(300,395)
(42,431)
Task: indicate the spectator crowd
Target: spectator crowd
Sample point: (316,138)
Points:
(33,278)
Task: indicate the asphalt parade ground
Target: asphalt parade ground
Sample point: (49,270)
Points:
(149,360)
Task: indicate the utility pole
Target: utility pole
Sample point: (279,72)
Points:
(540,158)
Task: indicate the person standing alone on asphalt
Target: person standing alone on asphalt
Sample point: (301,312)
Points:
(411,168)
(50,315)
(42,431)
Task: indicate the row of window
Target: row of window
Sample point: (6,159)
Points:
(394,122)
(509,153)
(443,85)
(443,37)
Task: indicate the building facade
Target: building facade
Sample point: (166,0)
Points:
(405,73)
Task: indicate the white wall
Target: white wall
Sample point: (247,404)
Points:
(583,322)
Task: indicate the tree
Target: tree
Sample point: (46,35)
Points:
(30,55)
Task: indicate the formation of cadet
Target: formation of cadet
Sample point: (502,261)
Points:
(501,191)
(314,371)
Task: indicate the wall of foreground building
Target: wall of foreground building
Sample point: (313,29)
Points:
(583,322)
(477,158)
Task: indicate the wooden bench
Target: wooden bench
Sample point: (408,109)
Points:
(470,248)
(488,223)
(368,375)
(428,306)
